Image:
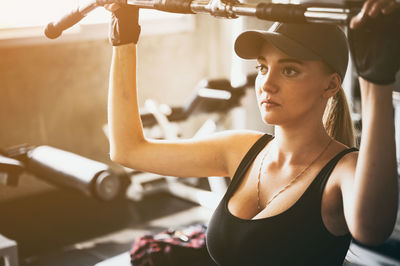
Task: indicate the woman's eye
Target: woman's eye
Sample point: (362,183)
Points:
(290,71)
(262,69)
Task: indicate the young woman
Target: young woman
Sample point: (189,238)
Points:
(296,198)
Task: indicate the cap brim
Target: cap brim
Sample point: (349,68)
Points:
(249,43)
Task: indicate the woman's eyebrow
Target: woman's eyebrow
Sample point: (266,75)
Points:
(290,60)
(283,60)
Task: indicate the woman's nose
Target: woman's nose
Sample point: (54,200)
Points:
(269,82)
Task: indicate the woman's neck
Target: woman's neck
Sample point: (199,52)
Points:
(294,146)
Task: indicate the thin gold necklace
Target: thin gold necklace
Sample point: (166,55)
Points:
(290,183)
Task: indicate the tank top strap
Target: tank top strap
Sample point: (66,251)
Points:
(249,158)
(323,176)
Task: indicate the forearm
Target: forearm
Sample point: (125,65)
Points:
(375,185)
(123,112)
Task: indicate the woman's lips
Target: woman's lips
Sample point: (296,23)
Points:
(269,103)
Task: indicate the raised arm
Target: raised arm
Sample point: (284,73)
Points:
(123,110)
(370,184)
(216,155)
(370,196)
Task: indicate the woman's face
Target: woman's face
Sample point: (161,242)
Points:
(290,90)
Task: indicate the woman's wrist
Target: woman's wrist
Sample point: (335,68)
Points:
(125,50)
(376,99)
(125,47)
(373,88)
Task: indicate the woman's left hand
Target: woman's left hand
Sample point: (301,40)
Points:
(374,40)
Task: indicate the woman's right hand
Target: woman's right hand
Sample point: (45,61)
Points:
(124,25)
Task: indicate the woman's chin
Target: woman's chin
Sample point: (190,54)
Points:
(272,121)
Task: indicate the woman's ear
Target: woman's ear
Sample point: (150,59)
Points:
(334,85)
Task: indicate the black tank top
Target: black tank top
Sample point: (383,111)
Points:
(295,237)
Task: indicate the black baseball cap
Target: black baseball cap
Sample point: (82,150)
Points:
(308,41)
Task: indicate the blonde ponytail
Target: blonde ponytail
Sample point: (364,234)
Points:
(337,120)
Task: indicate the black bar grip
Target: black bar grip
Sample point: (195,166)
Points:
(54,30)
(289,13)
(175,6)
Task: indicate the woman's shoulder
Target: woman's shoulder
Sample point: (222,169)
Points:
(242,133)
(240,139)
(240,142)
(349,159)
(346,166)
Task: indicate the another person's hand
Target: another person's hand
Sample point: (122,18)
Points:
(124,25)
(374,40)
